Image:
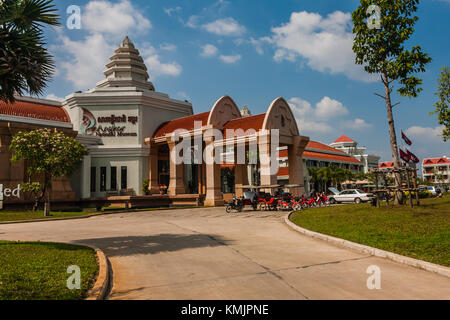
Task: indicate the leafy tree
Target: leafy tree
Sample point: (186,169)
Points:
(442,109)
(338,175)
(25,64)
(382,51)
(49,154)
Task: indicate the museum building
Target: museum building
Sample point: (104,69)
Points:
(129,130)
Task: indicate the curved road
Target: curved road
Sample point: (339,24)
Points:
(206,254)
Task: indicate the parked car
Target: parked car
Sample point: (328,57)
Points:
(350,195)
(434,191)
(332,193)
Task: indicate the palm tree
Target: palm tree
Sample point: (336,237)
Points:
(25,64)
(325,174)
(312,172)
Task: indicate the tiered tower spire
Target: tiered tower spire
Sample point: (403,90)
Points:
(126,69)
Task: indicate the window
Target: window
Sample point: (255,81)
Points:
(123,178)
(113,178)
(103,179)
(93,179)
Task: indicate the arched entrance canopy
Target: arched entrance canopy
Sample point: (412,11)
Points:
(226,117)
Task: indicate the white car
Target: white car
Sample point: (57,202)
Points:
(351,195)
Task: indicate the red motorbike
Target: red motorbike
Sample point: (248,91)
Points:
(322,200)
(299,204)
(268,204)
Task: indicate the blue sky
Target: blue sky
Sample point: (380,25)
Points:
(256,51)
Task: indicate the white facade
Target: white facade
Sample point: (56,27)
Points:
(369,161)
(113,121)
(436,170)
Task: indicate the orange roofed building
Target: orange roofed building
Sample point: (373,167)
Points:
(436,170)
(318,155)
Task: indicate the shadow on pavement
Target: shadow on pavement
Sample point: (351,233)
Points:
(125,246)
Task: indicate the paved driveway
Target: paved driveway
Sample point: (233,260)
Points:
(206,254)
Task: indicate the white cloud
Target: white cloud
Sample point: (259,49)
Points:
(54,97)
(230,59)
(313,126)
(193,22)
(156,67)
(328,108)
(88,59)
(116,19)
(321,118)
(357,124)
(107,23)
(225,27)
(209,50)
(427,142)
(324,43)
(425,134)
(169,11)
(183,95)
(168,47)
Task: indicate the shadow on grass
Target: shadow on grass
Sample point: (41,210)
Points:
(126,246)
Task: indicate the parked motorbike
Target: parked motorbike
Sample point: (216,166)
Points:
(236,204)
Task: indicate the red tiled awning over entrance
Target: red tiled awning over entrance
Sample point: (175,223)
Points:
(34,110)
(247,123)
(186,123)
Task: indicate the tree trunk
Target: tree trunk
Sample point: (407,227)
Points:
(393,139)
(47,205)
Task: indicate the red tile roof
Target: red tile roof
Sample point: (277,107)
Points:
(325,156)
(344,139)
(186,123)
(34,110)
(283,171)
(318,145)
(434,161)
(382,165)
(308,153)
(283,153)
(247,123)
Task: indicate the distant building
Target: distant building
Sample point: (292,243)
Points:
(436,170)
(317,155)
(350,147)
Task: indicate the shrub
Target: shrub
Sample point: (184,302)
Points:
(145,185)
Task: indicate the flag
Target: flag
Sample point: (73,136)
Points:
(412,156)
(405,138)
(405,156)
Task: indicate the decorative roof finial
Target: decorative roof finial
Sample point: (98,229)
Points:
(126,43)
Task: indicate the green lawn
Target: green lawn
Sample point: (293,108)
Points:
(421,233)
(38,270)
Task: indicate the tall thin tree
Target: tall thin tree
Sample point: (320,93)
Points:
(381,29)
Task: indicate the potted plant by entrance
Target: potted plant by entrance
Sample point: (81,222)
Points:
(162,189)
(145,185)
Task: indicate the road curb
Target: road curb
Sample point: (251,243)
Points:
(103,283)
(420,264)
